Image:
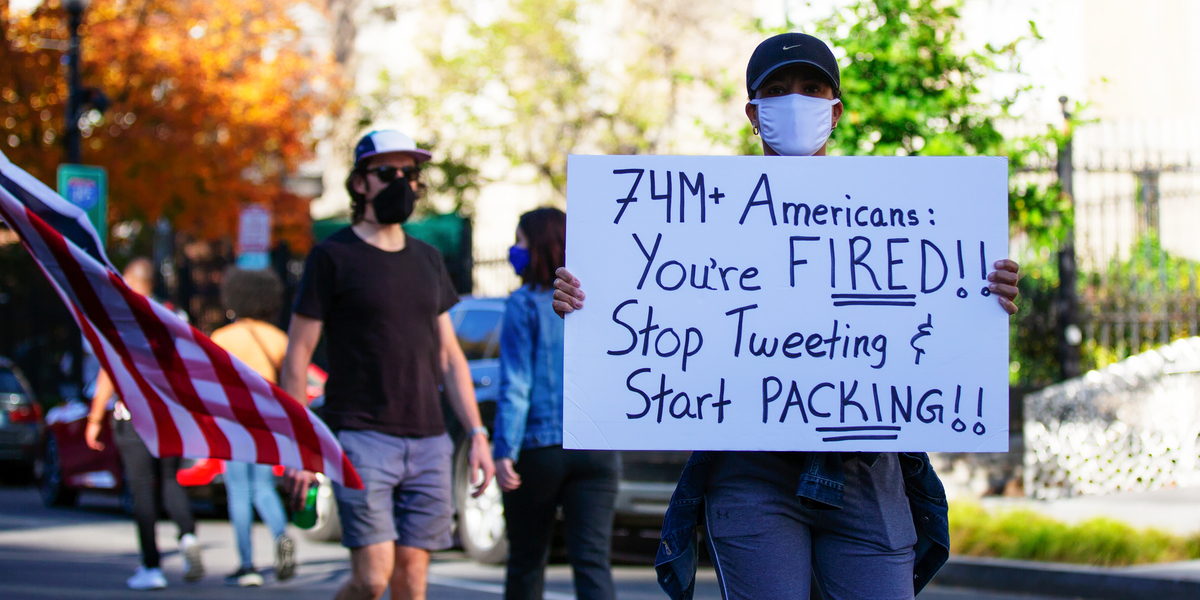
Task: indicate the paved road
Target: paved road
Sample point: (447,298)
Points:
(87,552)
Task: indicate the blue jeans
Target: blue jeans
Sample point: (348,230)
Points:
(246,482)
(765,543)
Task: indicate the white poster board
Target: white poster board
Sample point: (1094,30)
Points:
(771,303)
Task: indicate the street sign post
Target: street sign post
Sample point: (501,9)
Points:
(87,187)
(254,237)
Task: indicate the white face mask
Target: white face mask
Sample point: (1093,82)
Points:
(795,125)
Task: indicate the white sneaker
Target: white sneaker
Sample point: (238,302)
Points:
(147,579)
(244,577)
(285,558)
(193,569)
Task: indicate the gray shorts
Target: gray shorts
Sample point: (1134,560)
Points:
(406,497)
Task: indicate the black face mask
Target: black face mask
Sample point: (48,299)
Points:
(394,203)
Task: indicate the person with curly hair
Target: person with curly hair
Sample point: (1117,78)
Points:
(253,300)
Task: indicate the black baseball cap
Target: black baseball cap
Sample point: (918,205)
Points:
(791,49)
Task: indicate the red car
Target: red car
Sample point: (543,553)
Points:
(67,466)
(20,419)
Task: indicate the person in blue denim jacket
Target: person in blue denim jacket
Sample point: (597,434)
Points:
(858,525)
(535,473)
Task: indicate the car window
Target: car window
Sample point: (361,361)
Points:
(9,384)
(479,333)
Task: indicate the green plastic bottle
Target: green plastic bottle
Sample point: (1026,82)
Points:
(306,517)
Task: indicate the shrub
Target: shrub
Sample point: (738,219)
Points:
(1027,535)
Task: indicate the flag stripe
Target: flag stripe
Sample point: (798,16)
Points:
(18,218)
(117,369)
(187,396)
(67,226)
(242,403)
(350,475)
(170,443)
(90,333)
(306,436)
(163,347)
(120,377)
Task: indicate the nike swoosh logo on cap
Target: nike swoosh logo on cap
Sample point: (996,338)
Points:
(790,47)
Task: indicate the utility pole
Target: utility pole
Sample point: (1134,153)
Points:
(72,139)
(71,135)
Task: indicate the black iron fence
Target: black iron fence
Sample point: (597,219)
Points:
(1125,278)
(493,275)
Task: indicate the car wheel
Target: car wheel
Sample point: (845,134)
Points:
(28,471)
(481,528)
(19,472)
(54,491)
(328,527)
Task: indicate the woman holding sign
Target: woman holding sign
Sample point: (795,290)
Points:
(858,525)
(536,474)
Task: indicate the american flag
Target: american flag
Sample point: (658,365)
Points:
(186,396)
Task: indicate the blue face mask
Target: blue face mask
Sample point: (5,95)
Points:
(519,258)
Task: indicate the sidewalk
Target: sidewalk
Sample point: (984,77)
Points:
(1170,581)
(1175,510)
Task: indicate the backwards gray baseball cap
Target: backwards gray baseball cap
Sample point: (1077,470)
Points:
(386,141)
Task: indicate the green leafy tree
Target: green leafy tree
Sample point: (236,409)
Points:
(909,91)
(523,89)
(911,88)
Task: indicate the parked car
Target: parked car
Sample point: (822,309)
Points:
(647,478)
(20,419)
(66,466)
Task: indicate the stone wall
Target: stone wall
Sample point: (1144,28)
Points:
(1133,425)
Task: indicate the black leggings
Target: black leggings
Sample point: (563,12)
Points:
(144,474)
(584,483)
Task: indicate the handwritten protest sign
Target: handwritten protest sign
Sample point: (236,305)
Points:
(770,303)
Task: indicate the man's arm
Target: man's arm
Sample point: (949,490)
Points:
(457,377)
(303,335)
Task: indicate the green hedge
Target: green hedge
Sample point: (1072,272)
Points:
(1027,535)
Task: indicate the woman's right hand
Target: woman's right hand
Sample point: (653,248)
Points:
(568,295)
(506,475)
(91,435)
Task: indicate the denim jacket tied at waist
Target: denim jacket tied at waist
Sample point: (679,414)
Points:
(819,488)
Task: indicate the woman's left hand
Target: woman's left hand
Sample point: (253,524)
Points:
(91,435)
(506,475)
(1003,283)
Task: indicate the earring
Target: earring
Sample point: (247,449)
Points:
(756,131)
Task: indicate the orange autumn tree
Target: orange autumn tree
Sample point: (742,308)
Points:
(213,102)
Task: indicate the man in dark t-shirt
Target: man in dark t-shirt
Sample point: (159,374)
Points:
(381,298)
